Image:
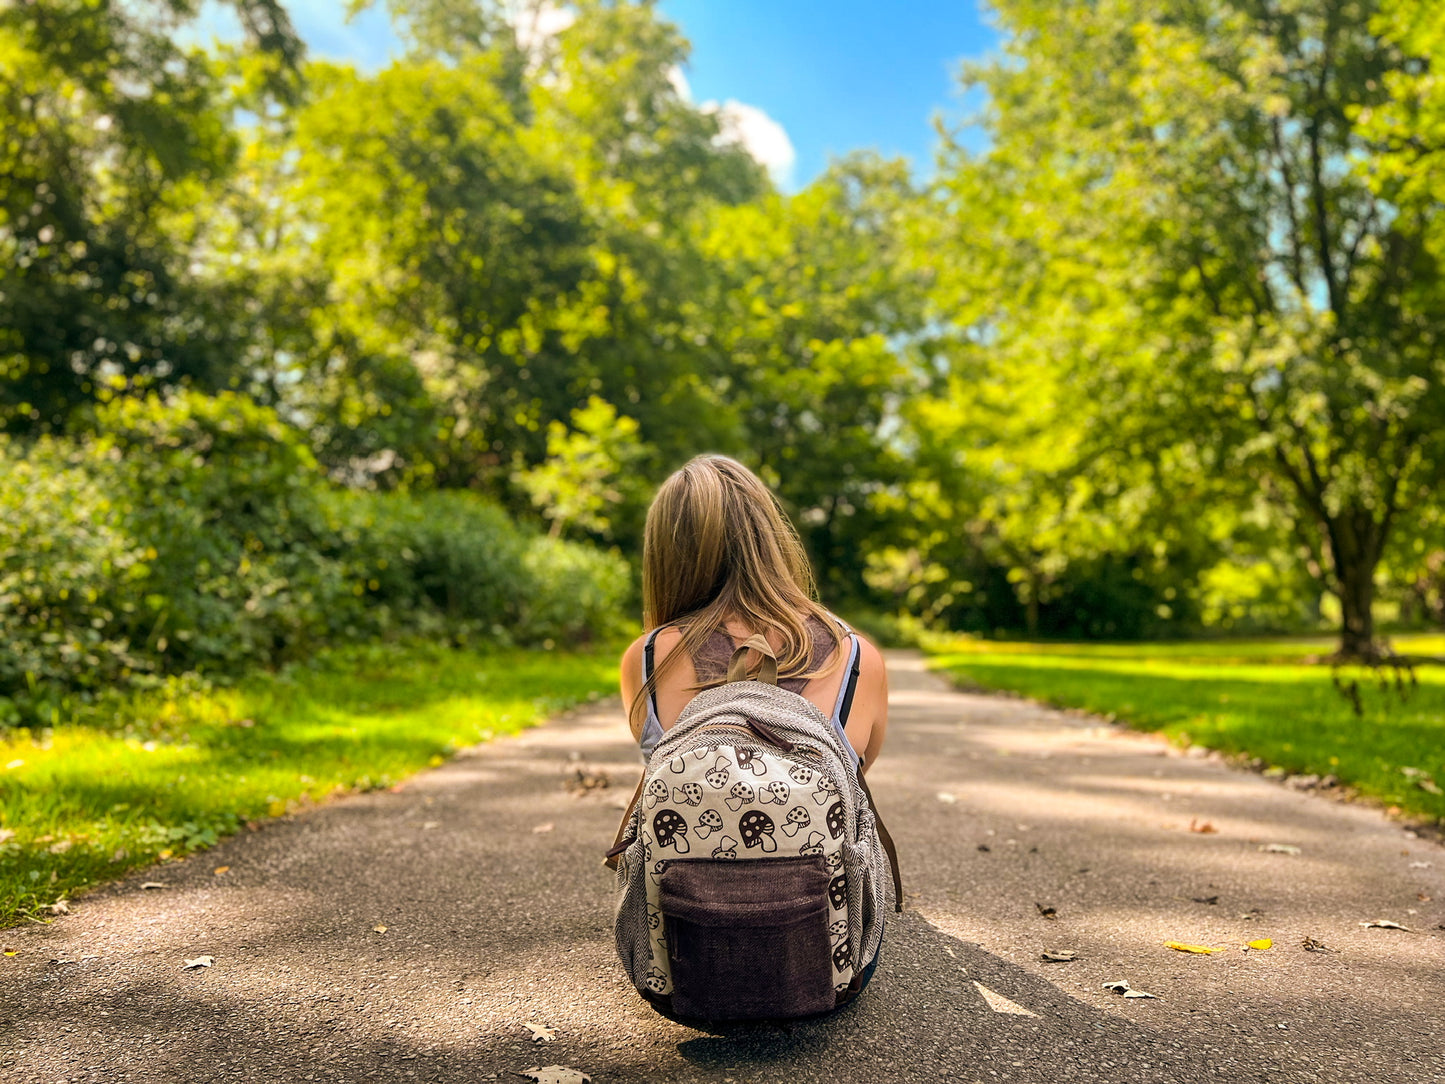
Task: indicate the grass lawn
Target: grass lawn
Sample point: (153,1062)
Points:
(153,777)
(1263,698)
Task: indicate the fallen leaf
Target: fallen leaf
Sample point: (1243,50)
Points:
(541,1033)
(945,797)
(1309,944)
(1422,897)
(10,951)
(220,870)
(1430,787)
(1054,956)
(539,829)
(1280,848)
(584,780)
(431,824)
(199,961)
(1046,911)
(153,884)
(1198,950)
(59,907)
(1207,828)
(1205,899)
(556,1074)
(984,847)
(1252,914)
(1264,944)
(1385,924)
(1120,986)
(378,928)
(1419,865)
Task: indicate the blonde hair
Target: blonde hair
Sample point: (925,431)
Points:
(718,546)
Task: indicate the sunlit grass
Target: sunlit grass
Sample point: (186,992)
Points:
(1262,698)
(155,776)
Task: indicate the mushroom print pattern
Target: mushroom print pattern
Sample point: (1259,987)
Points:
(727,847)
(835,820)
(797,819)
(838,931)
(742,795)
(801,775)
(776,791)
(677,765)
(656,980)
(843,956)
(688,794)
(717,775)
(838,891)
(826,789)
(670,830)
(711,821)
(814,845)
(748,761)
(756,828)
(656,792)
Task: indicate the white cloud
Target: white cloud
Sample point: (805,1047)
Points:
(758,134)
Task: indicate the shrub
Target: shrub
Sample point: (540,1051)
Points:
(198,534)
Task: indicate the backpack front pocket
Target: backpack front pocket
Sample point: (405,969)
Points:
(748,939)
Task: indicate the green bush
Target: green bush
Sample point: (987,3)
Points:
(197,534)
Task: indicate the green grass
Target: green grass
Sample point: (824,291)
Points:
(155,776)
(1261,698)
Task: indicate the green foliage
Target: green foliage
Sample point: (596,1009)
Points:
(152,776)
(198,534)
(590,470)
(1264,699)
(1203,286)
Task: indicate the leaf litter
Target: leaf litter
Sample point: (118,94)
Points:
(1280,848)
(1046,911)
(1384,924)
(541,1033)
(556,1074)
(198,962)
(1121,986)
(1309,944)
(1197,950)
(1058,956)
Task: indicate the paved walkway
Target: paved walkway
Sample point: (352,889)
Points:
(485,875)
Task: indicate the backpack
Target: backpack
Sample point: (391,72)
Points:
(750,865)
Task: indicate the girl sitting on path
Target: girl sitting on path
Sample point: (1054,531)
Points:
(721,563)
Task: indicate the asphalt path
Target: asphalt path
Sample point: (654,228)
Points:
(414,935)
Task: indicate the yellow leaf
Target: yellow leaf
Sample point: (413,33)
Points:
(435,761)
(1262,944)
(222,869)
(1199,950)
(165,853)
(379,928)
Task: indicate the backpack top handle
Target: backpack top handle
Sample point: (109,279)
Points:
(767,671)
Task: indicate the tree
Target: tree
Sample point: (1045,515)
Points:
(113,133)
(1186,225)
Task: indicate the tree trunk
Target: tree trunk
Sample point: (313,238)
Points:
(1355,552)
(1031,607)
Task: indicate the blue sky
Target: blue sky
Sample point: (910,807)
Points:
(835,75)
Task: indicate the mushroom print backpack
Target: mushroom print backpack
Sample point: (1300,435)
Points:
(751,868)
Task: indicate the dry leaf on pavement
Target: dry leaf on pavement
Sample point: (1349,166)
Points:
(541,1033)
(199,961)
(221,869)
(59,907)
(1205,899)
(153,884)
(1309,944)
(1207,828)
(1055,956)
(1198,950)
(1264,944)
(378,928)
(1385,924)
(946,798)
(1120,986)
(537,830)
(556,1074)
(1047,911)
(1279,848)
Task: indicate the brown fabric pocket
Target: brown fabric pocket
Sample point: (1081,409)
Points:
(748,939)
